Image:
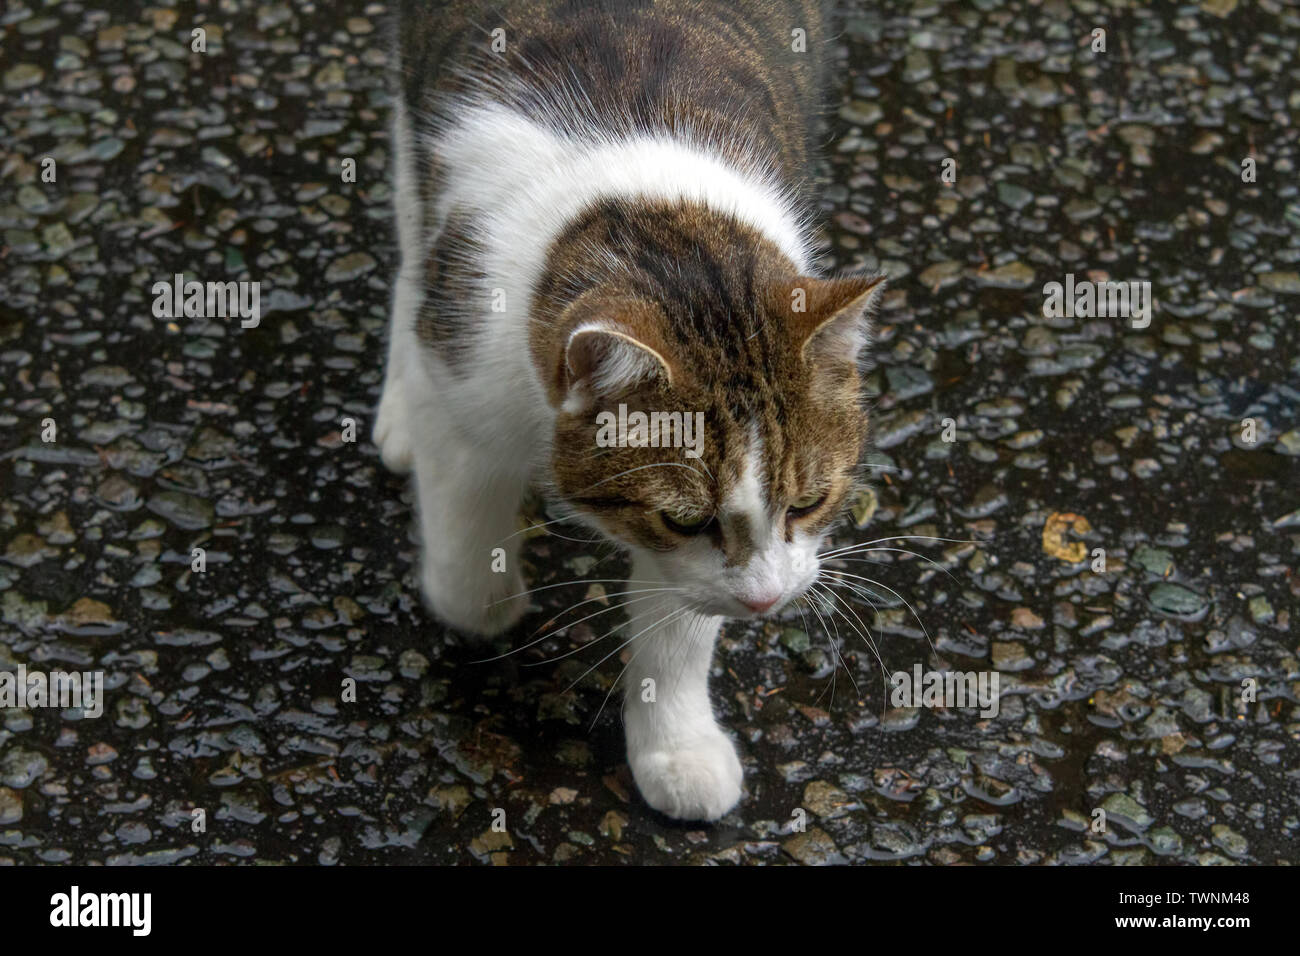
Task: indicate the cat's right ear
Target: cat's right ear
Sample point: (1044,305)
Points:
(610,349)
(831,318)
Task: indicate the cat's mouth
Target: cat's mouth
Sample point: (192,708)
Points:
(755,609)
(745,603)
(750,607)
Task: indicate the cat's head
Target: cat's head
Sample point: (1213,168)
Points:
(746,376)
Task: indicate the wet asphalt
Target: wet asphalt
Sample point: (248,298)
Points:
(1121,551)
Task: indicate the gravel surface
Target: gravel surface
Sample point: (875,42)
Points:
(1122,553)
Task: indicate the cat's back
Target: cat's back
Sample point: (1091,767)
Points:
(736,74)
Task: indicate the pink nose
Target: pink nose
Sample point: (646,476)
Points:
(759,605)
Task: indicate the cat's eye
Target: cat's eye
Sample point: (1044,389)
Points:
(806,504)
(686,524)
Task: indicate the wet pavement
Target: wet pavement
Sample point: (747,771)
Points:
(1132,573)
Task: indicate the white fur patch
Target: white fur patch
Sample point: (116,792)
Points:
(536,182)
(406,198)
(747,498)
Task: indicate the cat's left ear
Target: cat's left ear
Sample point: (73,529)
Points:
(830,319)
(611,347)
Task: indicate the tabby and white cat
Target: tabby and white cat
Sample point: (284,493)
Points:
(604,203)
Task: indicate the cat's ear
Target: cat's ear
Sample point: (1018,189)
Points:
(830,319)
(611,348)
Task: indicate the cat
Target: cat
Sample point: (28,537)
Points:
(604,206)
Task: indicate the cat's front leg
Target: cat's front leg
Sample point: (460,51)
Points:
(468,501)
(393,432)
(683,763)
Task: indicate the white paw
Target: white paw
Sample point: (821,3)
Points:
(392,433)
(485,604)
(699,782)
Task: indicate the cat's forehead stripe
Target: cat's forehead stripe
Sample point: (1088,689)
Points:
(745,510)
